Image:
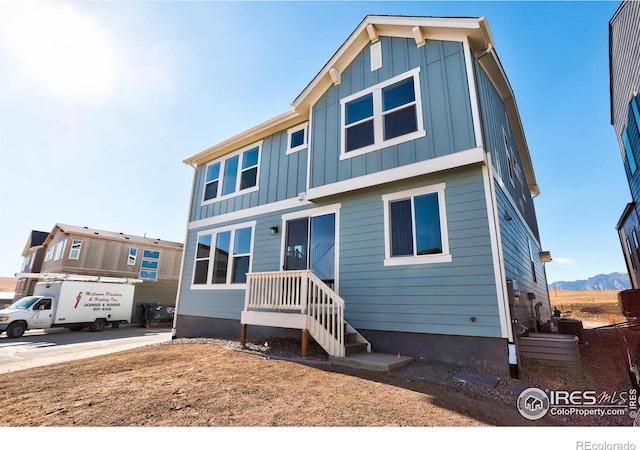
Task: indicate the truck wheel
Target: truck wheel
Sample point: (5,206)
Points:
(16,329)
(97,325)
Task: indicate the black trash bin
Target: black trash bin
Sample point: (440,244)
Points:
(145,313)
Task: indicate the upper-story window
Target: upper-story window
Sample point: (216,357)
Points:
(416,226)
(131,258)
(149,264)
(629,152)
(386,114)
(76,246)
(297,138)
(235,174)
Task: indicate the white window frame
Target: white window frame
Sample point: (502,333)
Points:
(145,269)
(223,162)
(131,260)
(378,115)
(214,233)
(291,131)
(443,257)
(75,242)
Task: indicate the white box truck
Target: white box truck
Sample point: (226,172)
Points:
(70,304)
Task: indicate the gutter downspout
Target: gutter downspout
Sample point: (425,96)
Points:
(184,251)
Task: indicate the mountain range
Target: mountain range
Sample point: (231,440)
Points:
(612,282)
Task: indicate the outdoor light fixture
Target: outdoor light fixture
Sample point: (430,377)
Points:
(274,231)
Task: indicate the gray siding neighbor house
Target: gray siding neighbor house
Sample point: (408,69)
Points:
(33,255)
(392,207)
(624,72)
(75,250)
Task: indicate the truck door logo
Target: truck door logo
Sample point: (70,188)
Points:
(78,298)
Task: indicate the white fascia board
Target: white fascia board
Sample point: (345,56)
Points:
(279,123)
(455,29)
(458,159)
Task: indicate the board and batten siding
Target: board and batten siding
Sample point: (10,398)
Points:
(495,126)
(440,298)
(515,240)
(446,109)
(281,177)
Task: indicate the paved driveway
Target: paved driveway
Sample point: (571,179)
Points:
(42,347)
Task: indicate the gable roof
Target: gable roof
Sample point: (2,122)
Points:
(110,235)
(474,30)
(36,239)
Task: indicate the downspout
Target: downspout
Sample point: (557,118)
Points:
(184,252)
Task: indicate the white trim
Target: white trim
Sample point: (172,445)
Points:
(214,232)
(249,212)
(474,99)
(378,115)
(376,55)
(458,159)
(302,127)
(223,163)
(497,253)
(314,212)
(445,256)
(309,149)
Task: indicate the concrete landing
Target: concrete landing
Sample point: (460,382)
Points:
(380,362)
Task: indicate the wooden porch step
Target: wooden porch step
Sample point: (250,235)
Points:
(353,348)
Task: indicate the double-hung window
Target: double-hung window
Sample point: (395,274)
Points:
(235,174)
(223,256)
(629,152)
(416,227)
(131,258)
(386,114)
(76,246)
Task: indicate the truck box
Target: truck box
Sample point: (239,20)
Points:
(72,304)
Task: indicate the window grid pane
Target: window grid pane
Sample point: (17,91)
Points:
(359,109)
(427,223)
(398,94)
(401,228)
(230,176)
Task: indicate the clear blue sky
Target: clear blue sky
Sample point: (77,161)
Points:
(100,102)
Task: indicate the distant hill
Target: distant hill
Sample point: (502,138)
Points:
(612,282)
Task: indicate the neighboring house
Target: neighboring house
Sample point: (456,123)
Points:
(33,255)
(395,197)
(78,250)
(624,73)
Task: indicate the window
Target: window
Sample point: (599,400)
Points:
(629,152)
(223,256)
(297,138)
(636,113)
(533,266)
(386,114)
(131,259)
(60,247)
(239,172)
(149,265)
(633,263)
(76,246)
(415,226)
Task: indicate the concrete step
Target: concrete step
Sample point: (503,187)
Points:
(380,362)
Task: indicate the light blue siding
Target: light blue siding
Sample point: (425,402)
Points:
(494,121)
(281,176)
(445,103)
(515,238)
(425,298)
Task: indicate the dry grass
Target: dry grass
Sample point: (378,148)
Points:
(588,305)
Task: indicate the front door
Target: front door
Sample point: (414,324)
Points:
(310,243)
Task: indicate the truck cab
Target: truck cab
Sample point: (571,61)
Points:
(28,312)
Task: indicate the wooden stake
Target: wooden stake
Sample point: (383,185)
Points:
(305,343)
(243,335)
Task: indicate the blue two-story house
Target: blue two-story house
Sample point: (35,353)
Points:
(392,206)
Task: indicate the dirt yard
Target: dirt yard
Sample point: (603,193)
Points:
(210,383)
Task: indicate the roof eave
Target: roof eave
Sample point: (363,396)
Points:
(279,123)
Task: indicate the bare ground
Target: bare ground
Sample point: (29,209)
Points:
(215,383)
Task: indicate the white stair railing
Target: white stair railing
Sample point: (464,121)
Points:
(303,291)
